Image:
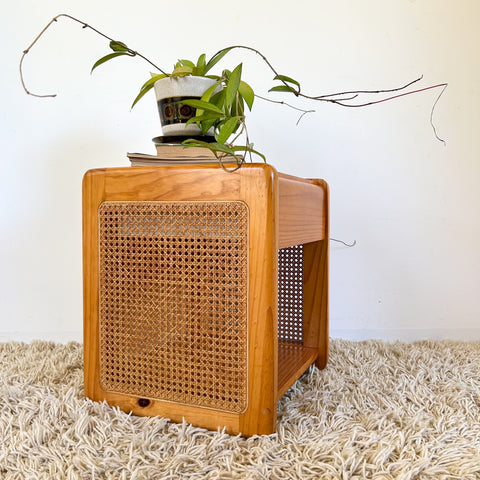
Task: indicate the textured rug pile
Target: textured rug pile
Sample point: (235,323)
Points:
(378,411)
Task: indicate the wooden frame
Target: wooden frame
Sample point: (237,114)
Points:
(283,211)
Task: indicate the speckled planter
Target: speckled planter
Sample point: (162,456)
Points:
(174,115)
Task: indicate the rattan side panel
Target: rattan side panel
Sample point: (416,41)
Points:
(173,301)
(290,294)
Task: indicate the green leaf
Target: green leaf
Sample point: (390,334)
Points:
(233,83)
(218,98)
(190,142)
(282,88)
(207,124)
(216,58)
(210,107)
(247,93)
(182,70)
(202,118)
(147,86)
(140,95)
(153,78)
(215,147)
(209,92)
(187,63)
(249,149)
(109,57)
(284,78)
(151,81)
(221,147)
(201,63)
(227,129)
(118,46)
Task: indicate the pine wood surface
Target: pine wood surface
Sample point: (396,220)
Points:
(316,285)
(293,360)
(301,211)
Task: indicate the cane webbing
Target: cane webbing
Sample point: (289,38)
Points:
(173,301)
(290,294)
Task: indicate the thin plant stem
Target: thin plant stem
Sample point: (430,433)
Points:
(374,102)
(84,25)
(281,102)
(355,93)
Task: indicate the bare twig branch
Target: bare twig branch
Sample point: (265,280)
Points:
(281,102)
(225,168)
(247,143)
(23,56)
(357,92)
(445,85)
(344,243)
(393,97)
(243,129)
(84,25)
(302,115)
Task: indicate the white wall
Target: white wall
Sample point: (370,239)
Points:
(411,203)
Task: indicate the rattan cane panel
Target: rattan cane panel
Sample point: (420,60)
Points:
(173,301)
(290,294)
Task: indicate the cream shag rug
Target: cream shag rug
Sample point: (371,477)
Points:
(378,411)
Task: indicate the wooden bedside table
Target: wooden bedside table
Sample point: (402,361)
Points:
(205,292)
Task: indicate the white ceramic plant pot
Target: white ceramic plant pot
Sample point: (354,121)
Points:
(173,114)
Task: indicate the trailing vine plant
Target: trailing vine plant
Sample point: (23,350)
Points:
(222,106)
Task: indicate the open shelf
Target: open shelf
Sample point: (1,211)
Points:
(293,360)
